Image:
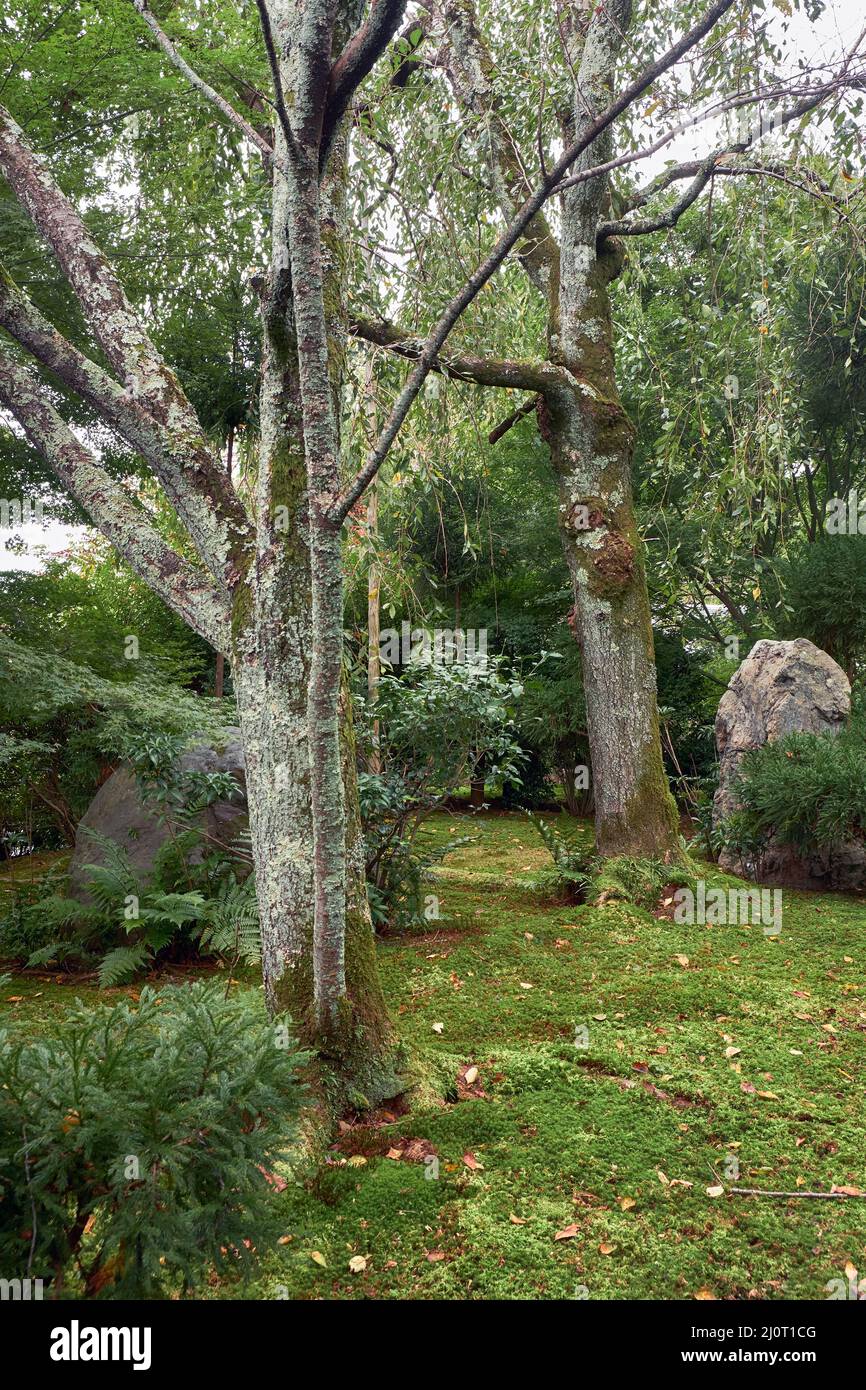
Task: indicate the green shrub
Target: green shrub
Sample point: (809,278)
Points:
(136,1142)
(438,728)
(824,597)
(806,790)
(25,928)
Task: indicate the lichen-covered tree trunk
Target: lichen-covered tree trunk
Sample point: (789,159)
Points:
(592,442)
(582,418)
(361,1063)
(591,448)
(275,630)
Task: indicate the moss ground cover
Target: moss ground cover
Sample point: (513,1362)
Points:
(710,1051)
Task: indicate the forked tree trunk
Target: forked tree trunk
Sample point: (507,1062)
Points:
(582,418)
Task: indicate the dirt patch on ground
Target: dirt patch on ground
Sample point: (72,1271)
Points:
(666,906)
(434,941)
(627,1083)
(368,1141)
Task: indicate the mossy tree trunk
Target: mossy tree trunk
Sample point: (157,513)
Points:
(318,945)
(583,420)
(592,444)
(265,586)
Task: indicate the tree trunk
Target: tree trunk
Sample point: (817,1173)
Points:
(582,419)
(592,442)
(361,1061)
(274,636)
(220,672)
(374,571)
(374,665)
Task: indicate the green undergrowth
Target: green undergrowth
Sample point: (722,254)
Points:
(704,1044)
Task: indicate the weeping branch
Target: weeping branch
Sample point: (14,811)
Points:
(702,171)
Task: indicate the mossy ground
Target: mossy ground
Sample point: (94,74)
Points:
(559,1136)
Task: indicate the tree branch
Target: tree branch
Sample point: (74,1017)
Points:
(486,371)
(276,79)
(701,172)
(206,499)
(356,61)
(210,94)
(125,415)
(509,238)
(186,590)
(528,408)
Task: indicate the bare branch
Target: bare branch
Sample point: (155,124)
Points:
(528,408)
(210,94)
(704,171)
(486,371)
(276,78)
(505,243)
(356,61)
(185,589)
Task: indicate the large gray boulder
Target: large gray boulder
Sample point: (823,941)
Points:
(120,813)
(783,688)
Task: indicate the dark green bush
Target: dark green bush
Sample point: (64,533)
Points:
(807,790)
(136,1140)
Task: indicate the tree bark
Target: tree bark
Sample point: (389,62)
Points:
(591,440)
(592,444)
(374,566)
(374,664)
(318,945)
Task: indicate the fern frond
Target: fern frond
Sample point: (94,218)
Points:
(114,878)
(122,964)
(232,923)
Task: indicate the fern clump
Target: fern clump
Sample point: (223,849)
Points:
(641,881)
(136,1142)
(132,925)
(571,861)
